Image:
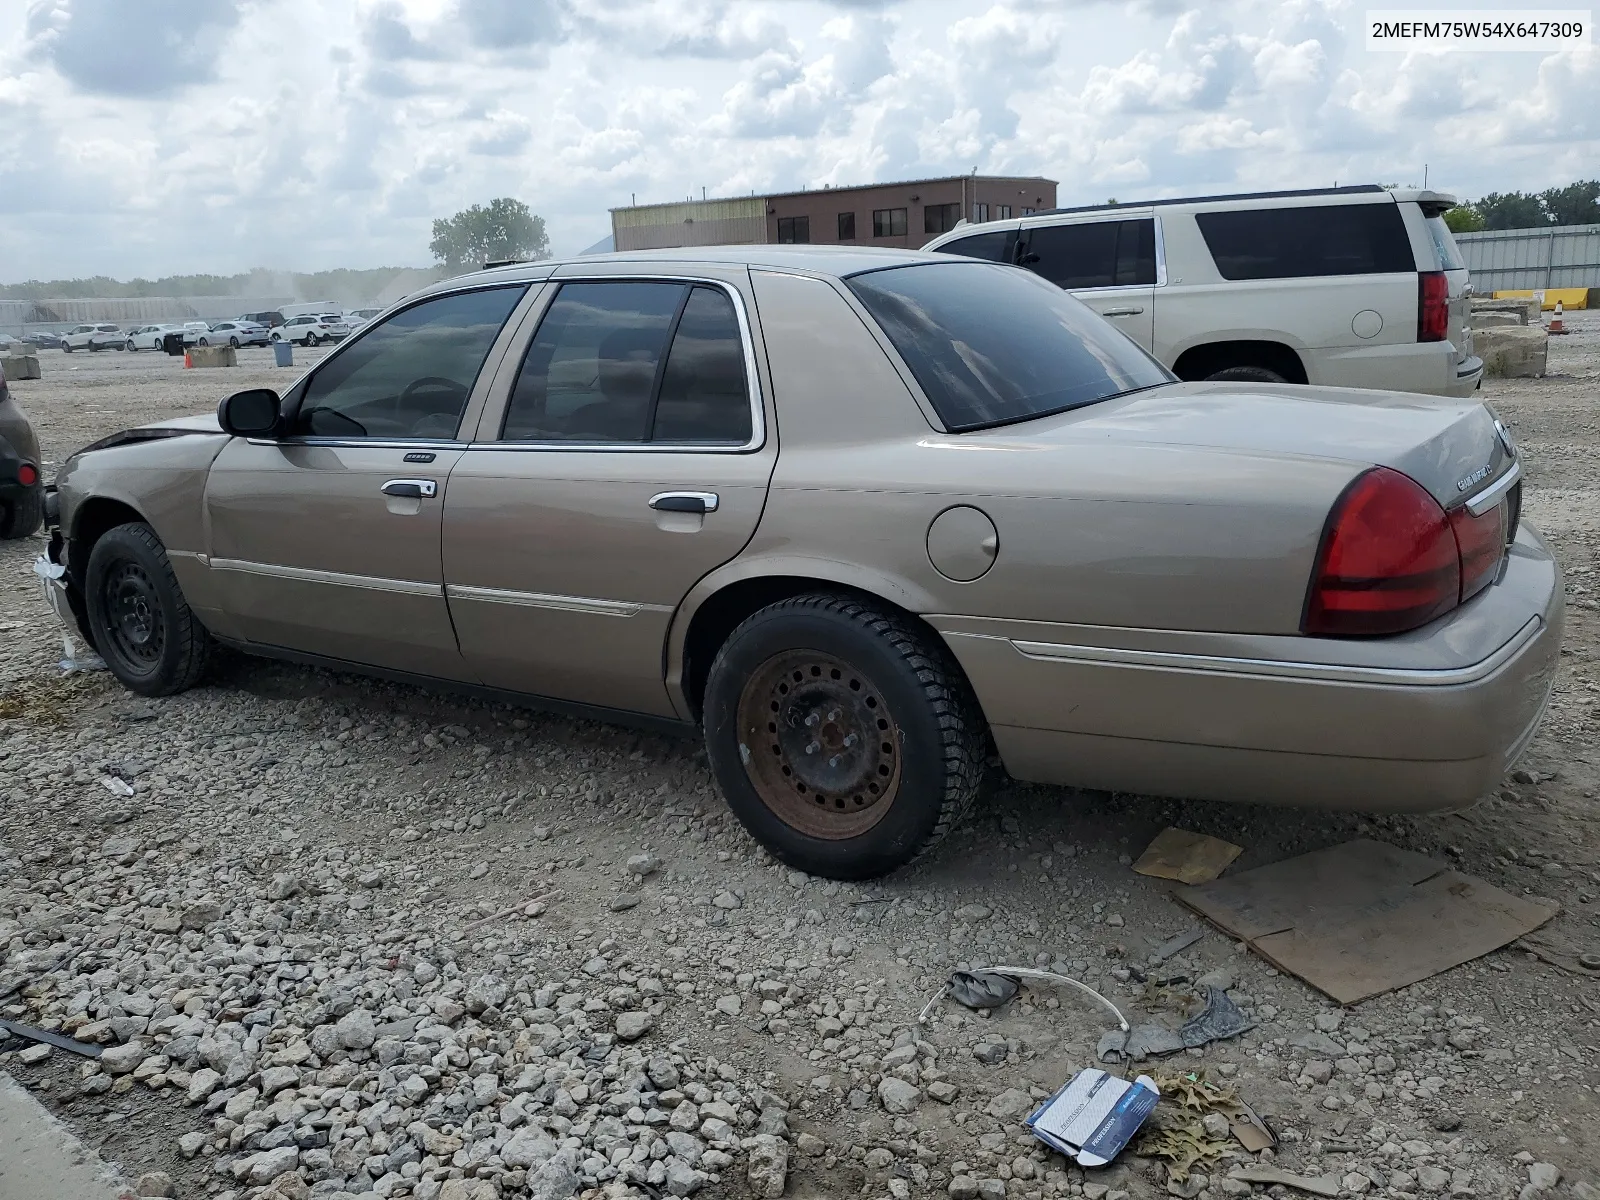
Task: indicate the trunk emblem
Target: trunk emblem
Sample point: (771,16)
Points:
(1463,484)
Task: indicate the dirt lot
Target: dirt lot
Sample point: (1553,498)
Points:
(307,863)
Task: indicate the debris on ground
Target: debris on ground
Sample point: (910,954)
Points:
(1186,857)
(1363,918)
(1263,1173)
(1200,1123)
(1219,1018)
(1094,1115)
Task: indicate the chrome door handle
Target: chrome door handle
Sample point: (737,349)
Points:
(1122,312)
(411,489)
(684,502)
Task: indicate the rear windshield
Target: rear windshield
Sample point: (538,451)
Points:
(1444,244)
(1324,239)
(991,344)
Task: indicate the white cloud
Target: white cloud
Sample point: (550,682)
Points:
(198,134)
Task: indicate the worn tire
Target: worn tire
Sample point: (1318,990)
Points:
(1247,375)
(23,518)
(129,585)
(938,763)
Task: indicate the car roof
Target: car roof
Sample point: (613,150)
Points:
(837,261)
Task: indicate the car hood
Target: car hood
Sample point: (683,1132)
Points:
(1451,447)
(200,423)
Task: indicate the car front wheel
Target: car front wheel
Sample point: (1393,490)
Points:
(66,347)
(234,342)
(844,737)
(141,624)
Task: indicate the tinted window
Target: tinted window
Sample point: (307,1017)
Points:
(990,345)
(940,218)
(888,222)
(998,245)
(594,371)
(794,229)
(1287,243)
(410,376)
(847,227)
(1444,244)
(1094,254)
(703,397)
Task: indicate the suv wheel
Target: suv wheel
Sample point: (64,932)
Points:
(66,347)
(845,739)
(141,624)
(22,518)
(1247,375)
(313,340)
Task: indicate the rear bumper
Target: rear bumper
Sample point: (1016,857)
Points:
(1427,367)
(1429,721)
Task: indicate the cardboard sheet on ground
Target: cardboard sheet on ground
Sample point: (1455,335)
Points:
(1185,856)
(1364,918)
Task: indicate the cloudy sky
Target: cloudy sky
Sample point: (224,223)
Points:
(219,135)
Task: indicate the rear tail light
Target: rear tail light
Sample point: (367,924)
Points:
(27,474)
(1392,559)
(1433,306)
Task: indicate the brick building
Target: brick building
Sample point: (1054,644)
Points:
(881,214)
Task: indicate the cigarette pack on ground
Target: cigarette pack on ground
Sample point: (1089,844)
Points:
(1094,1116)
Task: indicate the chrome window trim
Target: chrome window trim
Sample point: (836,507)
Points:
(360,443)
(1264,668)
(587,605)
(1492,495)
(373,583)
(757,397)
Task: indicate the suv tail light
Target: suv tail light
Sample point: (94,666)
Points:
(1433,306)
(1388,563)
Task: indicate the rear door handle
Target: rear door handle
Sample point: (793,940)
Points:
(411,489)
(684,502)
(1122,312)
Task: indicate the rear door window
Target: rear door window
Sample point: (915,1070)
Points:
(1093,254)
(1444,245)
(1308,241)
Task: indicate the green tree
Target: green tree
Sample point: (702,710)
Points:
(505,229)
(1511,210)
(1463,218)
(1576,204)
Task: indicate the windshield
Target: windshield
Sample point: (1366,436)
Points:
(1445,243)
(993,344)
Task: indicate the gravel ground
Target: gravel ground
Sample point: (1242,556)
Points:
(339,936)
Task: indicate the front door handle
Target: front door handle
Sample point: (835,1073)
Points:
(411,489)
(1122,312)
(684,502)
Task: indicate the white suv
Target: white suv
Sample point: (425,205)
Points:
(93,337)
(312,330)
(1346,287)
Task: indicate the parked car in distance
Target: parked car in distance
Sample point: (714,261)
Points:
(13,345)
(43,340)
(21,487)
(148,337)
(357,317)
(93,337)
(193,331)
(272,318)
(1345,287)
(1066,556)
(312,330)
(235,334)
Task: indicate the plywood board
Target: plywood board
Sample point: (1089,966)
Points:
(1364,918)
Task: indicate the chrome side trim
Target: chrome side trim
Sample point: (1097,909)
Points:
(579,604)
(361,443)
(371,583)
(1491,495)
(1274,669)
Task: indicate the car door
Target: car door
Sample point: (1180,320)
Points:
(326,539)
(1110,263)
(624,454)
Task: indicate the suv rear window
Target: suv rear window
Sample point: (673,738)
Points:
(1289,243)
(1444,244)
(991,345)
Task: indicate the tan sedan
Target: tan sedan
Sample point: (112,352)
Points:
(867,519)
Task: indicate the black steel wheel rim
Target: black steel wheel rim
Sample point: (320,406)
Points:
(133,616)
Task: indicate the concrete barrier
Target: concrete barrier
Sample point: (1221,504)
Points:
(1497,320)
(21,366)
(1525,311)
(1512,351)
(210,356)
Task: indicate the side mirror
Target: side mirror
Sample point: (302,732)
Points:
(251,413)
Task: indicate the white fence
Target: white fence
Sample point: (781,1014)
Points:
(1555,256)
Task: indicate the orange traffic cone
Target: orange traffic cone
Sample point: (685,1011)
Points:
(1555,325)
(187,361)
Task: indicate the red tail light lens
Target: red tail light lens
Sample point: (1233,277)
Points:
(1388,563)
(27,474)
(1433,306)
(1482,543)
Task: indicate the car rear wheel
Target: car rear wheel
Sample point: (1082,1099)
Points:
(141,624)
(21,518)
(1248,375)
(844,737)
(202,342)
